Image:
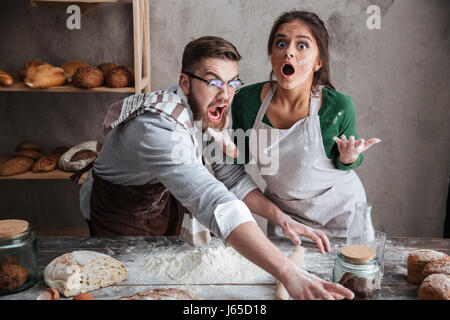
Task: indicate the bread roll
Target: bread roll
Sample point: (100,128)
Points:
(417,260)
(6,79)
(439,266)
(49,162)
(29,66)
(435,287)
(33,154)
(79,156)
(71,67)
(107,67)
(83,271)
(16,165)
(45,76)
(88,77)
(28,145)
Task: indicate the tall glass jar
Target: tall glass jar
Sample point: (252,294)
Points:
(18,256)
(357,268)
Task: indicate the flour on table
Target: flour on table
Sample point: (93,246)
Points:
(203,266)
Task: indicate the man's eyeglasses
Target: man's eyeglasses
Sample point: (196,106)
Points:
(234,85)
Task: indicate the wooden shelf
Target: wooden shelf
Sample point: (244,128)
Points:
(141,47)
(87,1)
(21,87)
(51,175)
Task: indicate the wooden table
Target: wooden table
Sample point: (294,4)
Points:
(394,285)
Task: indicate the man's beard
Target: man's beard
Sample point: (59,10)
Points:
(202,115)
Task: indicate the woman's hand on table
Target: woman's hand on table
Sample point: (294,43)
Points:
(292,229)
(350,149)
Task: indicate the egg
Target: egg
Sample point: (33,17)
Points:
(49,294)
(83,296)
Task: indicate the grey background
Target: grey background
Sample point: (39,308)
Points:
(398,78)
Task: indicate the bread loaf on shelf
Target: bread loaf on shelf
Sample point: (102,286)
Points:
(49,162)
(6,79)
(70,67)
(16,165)
(33,154)
(88,77)
(79,156)
(45,76)
(28,145)
(83,271)
(29,66)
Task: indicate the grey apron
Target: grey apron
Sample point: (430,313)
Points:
(308,187)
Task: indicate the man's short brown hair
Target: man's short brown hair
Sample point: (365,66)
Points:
(207,47)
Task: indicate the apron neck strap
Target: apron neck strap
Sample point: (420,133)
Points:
(314,100)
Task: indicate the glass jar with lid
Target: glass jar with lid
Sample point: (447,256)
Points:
(18,256)
(356,268)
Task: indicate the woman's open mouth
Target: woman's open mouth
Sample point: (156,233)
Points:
(287,70)
(215,113)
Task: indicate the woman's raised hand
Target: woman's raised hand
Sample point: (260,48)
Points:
(350,149)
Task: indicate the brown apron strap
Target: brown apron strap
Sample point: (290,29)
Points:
(77,175)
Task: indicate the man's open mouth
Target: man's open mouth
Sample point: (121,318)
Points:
(215,113)
(287,70)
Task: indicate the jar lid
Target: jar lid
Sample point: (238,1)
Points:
(11,227)
(358,253)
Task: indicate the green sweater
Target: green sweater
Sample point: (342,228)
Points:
(337,117)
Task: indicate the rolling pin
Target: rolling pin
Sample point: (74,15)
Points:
(297,256)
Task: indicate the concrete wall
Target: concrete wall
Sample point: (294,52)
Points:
(397,77)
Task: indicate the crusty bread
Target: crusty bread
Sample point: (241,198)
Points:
(28,145)
(120,77)
(439,266)
(162,294)
(70,67)
(29,66)
(45,76)
(6,79)
(435,287)
(33,154)
(16,165)
(49,161)
(79,156)
(83,271)
(88,77)
(107,67)
(417,260)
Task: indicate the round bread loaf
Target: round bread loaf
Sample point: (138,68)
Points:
(118,78)
(79,156)
(107,67)
(439,266)
(28,145)
(435,287)
(83,271)
(33,154)
(70,67)
(417,260)
(88,77)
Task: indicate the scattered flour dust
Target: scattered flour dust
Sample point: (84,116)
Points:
(203,266)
